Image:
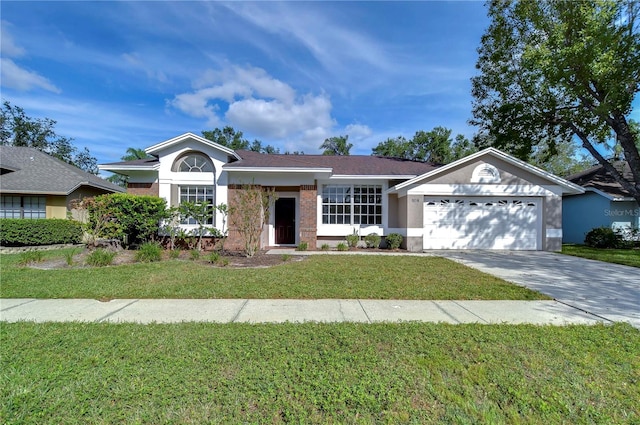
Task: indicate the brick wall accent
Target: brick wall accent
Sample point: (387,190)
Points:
(151,189)
(309,215)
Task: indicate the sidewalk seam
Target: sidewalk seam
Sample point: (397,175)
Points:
(364,311)
(19,305)
(115,311)
(584,311)
(239,311)
(466,309)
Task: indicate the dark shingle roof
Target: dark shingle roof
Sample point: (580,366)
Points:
(32,171)
(598,178)
(146,162)
(361,165)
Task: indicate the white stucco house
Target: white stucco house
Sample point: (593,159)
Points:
(488,200)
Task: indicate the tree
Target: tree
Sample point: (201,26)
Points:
(434,146)
(131,154)
(228,137)
(17,129)
(235,140)
(394,148)
(249,213)
(553,72)
(336,146)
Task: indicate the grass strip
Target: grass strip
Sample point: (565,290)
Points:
(319,276)
(318,373)
(627,257)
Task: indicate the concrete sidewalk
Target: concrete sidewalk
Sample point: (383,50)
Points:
(286,310)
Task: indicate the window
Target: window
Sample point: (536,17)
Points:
(352,204)
(193,163)
(23,207)
(198,195)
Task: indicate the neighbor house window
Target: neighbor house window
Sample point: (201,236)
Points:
(352,204)
(197,195)
(23,207)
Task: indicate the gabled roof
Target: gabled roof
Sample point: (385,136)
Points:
(597,179)
(567,186)
(136,164)
(347,166)
(36,172)
(155,149)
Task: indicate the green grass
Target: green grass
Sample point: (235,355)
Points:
(75,373)
(627,257)
(320,276)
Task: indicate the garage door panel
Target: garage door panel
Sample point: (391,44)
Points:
(481,223)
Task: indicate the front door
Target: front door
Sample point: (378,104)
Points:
(285,221)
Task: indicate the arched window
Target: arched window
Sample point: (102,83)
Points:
(193,163)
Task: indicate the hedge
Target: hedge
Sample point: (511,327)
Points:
(26,232)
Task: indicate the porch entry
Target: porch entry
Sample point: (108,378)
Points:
(285,221)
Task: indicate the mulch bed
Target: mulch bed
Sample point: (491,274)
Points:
(228,259)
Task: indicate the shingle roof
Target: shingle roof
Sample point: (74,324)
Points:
(146,162)
(353,165)
(32,171)
(598,178)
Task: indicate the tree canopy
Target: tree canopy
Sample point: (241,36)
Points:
(235,140)
(337,145)
(554,72)
(131,154)
(18,129)
(434,146)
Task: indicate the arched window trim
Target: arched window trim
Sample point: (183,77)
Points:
(201,163)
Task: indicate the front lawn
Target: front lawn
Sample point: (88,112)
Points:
(318,276)
(318,373)
(627,257)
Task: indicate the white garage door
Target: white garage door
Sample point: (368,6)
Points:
(482,223)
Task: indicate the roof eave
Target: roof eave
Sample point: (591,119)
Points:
(568,186)
(278,169)
(152,150)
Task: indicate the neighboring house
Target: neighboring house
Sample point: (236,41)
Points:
(36,185)
(603,204)
(488,200)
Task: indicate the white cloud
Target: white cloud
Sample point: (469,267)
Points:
(258,104)
(7,45)
(135,60)
(14,77)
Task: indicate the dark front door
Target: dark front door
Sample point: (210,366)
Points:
(285,219)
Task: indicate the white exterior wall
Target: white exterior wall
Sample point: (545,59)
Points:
(167,178)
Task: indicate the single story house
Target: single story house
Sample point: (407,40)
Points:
(604,203)
(488,200)
(36,185)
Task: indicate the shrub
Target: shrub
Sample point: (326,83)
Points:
(194,254)
(132,219)
(303,246)
(342,246)
(285,257)
(394,240)
(101,257)
(325,247)
(68,256)
(24,232)
(29,257)
(372,240)
(149,252)
(604,237)
(353,239)
(174,253)
(213,257)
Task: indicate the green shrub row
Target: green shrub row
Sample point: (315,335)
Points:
(24,232)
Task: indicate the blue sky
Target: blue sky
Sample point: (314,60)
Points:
(131,74)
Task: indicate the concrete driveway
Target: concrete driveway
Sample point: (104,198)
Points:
(607,290)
